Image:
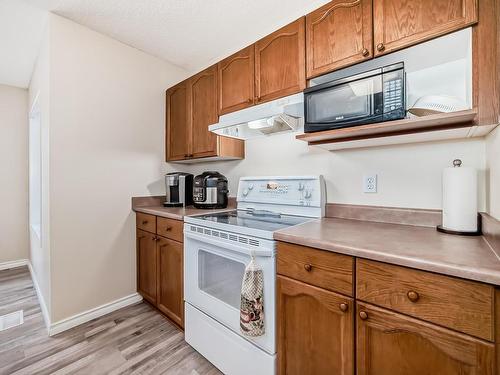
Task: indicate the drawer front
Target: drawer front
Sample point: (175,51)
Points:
(146,222)
(465,306)
(316,267)
(170,228)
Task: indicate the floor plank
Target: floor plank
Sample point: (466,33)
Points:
(133,340)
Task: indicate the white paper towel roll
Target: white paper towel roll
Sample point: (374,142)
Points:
(460,198)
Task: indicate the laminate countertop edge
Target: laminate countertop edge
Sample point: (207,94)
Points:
(415,248)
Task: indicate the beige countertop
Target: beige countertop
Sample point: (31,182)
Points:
(412,246)
(153,206)
(177,213)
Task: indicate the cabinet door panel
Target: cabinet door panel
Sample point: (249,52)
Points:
(178,129)
(315,331)
(390,343)
(280,63)
(236,81)
(203,104)
(401,23)
(146,265)
(337,35)
(170,279)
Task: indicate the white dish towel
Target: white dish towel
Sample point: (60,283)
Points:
(252,301)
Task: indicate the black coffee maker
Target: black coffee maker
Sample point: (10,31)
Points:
(179,189)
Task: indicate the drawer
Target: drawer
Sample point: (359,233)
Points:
(146,222)
(316,267)
(170,228)
(462,305)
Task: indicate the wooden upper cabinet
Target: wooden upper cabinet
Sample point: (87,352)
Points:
(280,63)
(170,279)
(390,343)
(203,110)
(315,330)
(399,24)
(337,35)
(236,81)
(178,128)
(146,265)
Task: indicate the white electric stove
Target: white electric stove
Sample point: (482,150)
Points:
(217,248)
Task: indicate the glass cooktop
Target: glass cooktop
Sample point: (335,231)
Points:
(255,219)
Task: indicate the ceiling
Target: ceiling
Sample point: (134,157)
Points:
(191,34)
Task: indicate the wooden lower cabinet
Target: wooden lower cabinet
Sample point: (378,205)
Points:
(146,265)
(160,264)
(315,330)
(391,343)
(170,279)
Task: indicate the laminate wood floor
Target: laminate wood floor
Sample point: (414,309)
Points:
(133,340)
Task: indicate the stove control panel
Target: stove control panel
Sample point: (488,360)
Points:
(306,191)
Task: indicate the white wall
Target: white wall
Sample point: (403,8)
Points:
(107,119)
(408,175)
(14,173)
(39,89)
(493,158)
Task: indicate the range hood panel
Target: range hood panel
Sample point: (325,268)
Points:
(279,115)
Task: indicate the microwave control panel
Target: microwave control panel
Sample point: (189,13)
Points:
(394,94)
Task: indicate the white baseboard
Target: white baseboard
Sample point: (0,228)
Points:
(41,300)
(96,312)
(13,264)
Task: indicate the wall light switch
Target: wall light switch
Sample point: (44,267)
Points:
(370,183)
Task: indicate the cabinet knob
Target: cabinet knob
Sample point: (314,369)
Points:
(168,229)
(380,47)
(308,267)
(249,100)
(344,307)
(144,222)
(365,52)
(412,296)
(363,315)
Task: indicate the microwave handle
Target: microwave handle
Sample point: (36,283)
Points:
(233,246)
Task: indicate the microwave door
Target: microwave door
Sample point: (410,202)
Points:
(345,104)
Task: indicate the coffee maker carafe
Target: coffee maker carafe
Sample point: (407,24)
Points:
(179,189)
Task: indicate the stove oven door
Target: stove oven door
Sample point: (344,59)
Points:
(213,274)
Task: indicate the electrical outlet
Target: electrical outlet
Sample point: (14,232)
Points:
(370,183)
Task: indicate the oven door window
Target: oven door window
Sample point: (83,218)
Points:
(220,277)
(345,102)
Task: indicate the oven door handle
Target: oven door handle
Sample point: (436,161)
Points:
(228,246)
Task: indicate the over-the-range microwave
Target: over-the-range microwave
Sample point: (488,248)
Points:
(374,96)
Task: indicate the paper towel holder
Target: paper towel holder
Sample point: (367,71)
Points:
(457,163)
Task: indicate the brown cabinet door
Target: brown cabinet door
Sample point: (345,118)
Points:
(178,128)
(280,63)
(170,279)
(390,343)
(236,81)
(398,24)
(337,35)
(146,265)
(315,330)
(203,112)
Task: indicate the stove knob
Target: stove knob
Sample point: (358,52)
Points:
(301,186)
(307,194)
(250,187)
(245,192)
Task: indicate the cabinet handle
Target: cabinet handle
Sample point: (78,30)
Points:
(413,296)
(155,238)
(168,229)
(365,52)
(164,245)
(308,267)
(363,315)
(344,307)
(144,222)
(249,100)
(380,47)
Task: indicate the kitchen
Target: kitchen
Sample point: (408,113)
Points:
(334,194)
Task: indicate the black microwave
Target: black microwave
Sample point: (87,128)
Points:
(374,96)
